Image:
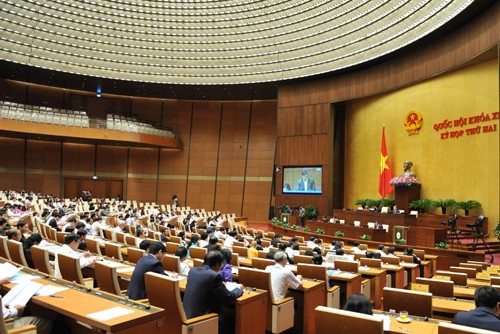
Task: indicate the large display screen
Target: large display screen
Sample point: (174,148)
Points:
(304,180)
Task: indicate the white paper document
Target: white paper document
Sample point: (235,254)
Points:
(125,270)
(8,270)
(48,290)
(20,278)
(21,293)
(109,314)
(231,286)
(387,321)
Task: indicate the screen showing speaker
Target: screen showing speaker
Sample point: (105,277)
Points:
(303,180)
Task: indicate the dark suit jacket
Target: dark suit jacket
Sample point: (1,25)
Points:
(137,288)
(310,184)
(205,292)
(481,317)
(52,222)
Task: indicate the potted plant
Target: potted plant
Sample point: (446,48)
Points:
(306,229)
(390,202)
(294,227)
(443,204)
(400,242)
(320,231)
(467,206)
(339,234)
(311,211)
(420,204)
(362,202)
(365,237)
(286,209)
(443,245)
(496,230)
(373,203)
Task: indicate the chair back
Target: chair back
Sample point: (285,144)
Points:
(458,278)
(235,260)
(4,248)
(135,254)
(242,251)
(312,271)
(120,237)
(346,322)
(113,250)
(390,260)
(108,234)
(478,267)
(302,259)
(197,253)
(349,266)
(94,246)
(40,257)
(171,263)
(164,292)
(256,278)
(406,258)
(172,247)
(107,278)
(470,272)
(416,303)
(175,239)
(261,263)
(197,263)
(372,263)
(419,253)
(16,252)
(69,266)
(448,328)
(359,256)
(130,240)
(60,237)
(438,287)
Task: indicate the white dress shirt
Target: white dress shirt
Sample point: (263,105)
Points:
(281,279)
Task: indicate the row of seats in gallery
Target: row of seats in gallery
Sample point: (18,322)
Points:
(129,124)
(42,114)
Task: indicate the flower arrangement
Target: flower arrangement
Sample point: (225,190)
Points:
(339,234)
(403,181)
(294,227)
(306,229)
(365,237)
(320,231)
(400,242)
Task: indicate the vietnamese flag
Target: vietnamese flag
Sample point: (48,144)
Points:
(384,188)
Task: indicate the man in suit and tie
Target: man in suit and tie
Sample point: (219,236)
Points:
(206,293)
(151,262)
(306,183)
(485,315)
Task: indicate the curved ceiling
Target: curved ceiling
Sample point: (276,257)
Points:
(208,42)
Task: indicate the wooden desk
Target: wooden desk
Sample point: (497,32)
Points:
(413,270)
(77,303)
(451,307)
(397,274)
(308,296)
(351,282)
(418,325)
(350,231)
(462,292)
(250,310)
(377,277)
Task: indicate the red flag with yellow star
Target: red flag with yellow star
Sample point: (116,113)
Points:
(384,188)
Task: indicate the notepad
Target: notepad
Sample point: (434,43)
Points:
(109,314)
(387,321)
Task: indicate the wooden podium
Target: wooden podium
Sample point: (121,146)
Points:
(404,195)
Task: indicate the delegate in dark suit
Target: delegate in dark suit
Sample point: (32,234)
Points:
(485,315)
(136,288)
(310,184)
(205,293)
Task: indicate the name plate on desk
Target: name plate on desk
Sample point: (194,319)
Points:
(442,277)
(483,276)
(419,287)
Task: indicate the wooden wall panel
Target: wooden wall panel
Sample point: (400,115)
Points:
(78,159)
(204,146)
(14,91)
(260,161)
(142,173)
(43,166)
(45,96)
(147,109)
(232,156)
(112,161)
(174,163)
(12,163)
